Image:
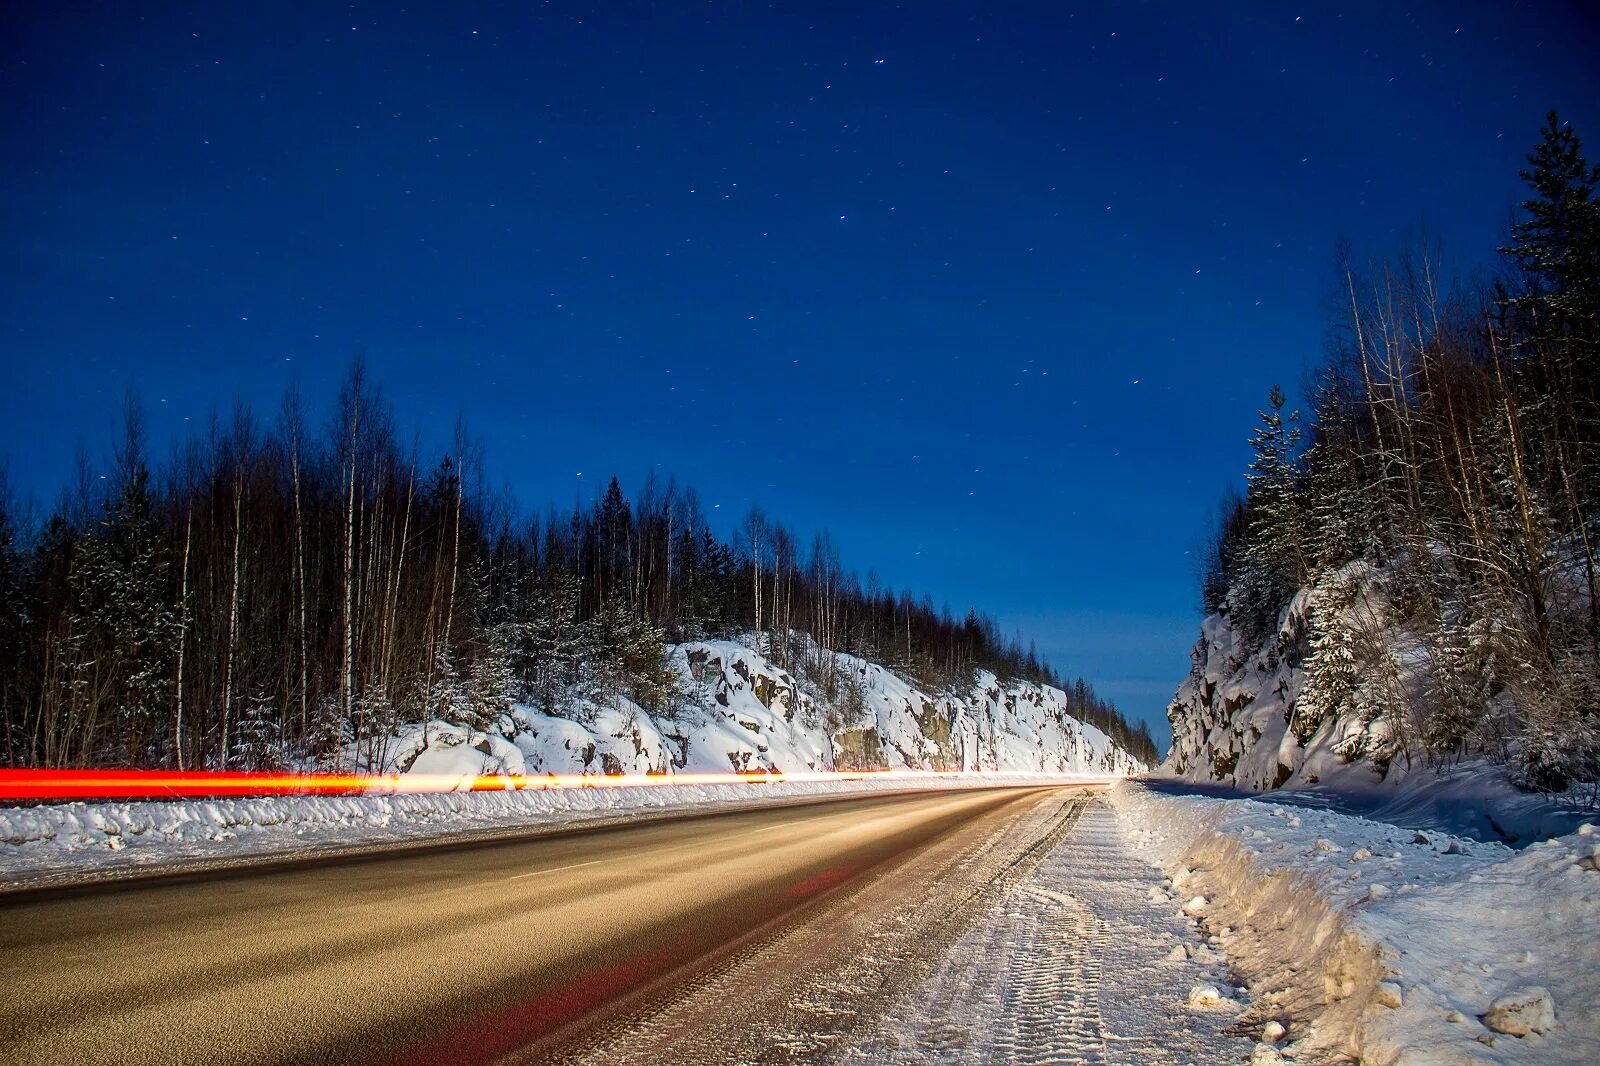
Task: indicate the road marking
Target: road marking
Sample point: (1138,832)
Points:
(555,869)
(770,828)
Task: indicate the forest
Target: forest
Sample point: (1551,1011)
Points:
(1442,499)
(282,594)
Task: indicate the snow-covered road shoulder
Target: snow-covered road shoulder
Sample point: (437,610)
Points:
(1080,959)
(61,843)
(1387,944)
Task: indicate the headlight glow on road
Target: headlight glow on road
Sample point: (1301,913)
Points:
(174,784)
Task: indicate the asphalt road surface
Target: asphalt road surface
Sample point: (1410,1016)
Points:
(449,954)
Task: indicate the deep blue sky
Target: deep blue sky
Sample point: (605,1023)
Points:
(992,291)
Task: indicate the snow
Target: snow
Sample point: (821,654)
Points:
(1383,943)
(754,714)
(1525,1011)
(1083,960)
(745,713)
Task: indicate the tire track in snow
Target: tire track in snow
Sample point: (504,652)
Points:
(1036,983)
(1071,967)
(1055,995)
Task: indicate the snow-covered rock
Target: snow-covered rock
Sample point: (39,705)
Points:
(1235,720)
(743,712)
(1210,997)
(1527,1010)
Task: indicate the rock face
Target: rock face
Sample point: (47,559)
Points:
(1230,718)
(743,712)
(1246,715)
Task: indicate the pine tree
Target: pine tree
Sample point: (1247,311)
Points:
(556,644)
(329,735)
(260,735)
(493,686)
(14,627)
(1460,681)
(1332,670)
(449,699)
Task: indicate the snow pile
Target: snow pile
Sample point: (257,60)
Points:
(1235,720)
(1385,944)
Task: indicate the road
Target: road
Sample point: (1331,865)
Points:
(450,954)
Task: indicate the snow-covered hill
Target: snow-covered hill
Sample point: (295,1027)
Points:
(1335,691)
(741,711)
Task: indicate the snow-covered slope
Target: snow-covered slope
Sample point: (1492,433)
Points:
(743,712)
(1250,716)
(1230,717)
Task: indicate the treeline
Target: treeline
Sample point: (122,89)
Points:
(283,595)
(1454,448)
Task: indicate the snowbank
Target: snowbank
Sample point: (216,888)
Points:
(1389,945)
(59,842)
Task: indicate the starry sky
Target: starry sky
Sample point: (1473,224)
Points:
(992,291)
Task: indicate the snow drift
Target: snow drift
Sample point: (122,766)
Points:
(1384,945)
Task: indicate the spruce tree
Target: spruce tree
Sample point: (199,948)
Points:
(1276,511)
(1273,562)
(120,608)
(1558,244)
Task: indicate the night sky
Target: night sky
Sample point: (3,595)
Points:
(991,291)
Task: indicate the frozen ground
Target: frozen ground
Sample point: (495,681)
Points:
(57,842)
(1088,959)
(1384,944)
